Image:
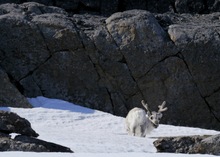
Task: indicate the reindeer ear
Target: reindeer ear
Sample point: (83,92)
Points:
(160,115)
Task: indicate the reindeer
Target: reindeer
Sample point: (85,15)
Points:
(138,123)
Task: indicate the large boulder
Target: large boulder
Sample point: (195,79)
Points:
(141,40)
(28,48)
(210,145)
(12,123)
(189,144)
(29,144)
(181,144)
(42,146)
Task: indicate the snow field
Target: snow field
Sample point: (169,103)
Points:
(92,133)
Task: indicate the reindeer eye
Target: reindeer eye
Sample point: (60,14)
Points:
(151,117)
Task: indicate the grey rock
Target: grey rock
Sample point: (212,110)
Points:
(34,8)
(81,80)
(136,32)
(210,145)
(59,34)
(199,36)
(10,95)
(28,144)
(20,58)
(8,144)
(206,144)
(12,123)
(182,144)
(41,145)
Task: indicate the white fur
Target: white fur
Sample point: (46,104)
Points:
(138,123)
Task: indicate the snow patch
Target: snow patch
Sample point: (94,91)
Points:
(92,133)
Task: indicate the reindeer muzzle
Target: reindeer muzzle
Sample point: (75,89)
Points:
(155,125)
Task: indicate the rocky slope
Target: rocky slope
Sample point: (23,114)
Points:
(112,63)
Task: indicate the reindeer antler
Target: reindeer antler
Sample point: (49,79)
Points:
(146,106)
(161,107)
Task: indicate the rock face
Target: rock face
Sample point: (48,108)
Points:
(189,144)
(111,64)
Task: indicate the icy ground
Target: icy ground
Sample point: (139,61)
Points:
(92,133)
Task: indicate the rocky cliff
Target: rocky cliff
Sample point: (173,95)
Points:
(112,63)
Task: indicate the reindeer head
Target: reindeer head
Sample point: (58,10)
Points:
(155,117)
